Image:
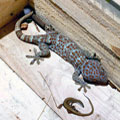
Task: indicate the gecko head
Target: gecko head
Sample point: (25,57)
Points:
(93,72)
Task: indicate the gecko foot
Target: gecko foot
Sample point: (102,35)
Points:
(84,86)
(35,57)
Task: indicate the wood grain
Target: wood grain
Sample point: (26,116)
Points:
(9,9)
(31,3)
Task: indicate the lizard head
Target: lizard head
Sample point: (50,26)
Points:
(93,72)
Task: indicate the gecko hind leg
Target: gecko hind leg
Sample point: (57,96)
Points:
(83,84)
(44,52)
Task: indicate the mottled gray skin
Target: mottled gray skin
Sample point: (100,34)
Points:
(90,67)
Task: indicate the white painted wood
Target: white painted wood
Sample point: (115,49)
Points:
(18,101)
(48,114)
(108,9)
(117,1)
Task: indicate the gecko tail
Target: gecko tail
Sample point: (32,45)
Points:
(18,23)
(27,38)
(20,35)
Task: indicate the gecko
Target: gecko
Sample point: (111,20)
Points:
(68,104)
(84,64)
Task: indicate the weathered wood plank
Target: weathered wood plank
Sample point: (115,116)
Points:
(91,31)
(31,3)
(9,9)
(111,10)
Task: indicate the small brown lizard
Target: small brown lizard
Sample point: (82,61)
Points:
(68,104)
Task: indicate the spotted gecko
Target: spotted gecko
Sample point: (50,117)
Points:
(90,67)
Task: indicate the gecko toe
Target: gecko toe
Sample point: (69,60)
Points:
(38,62)
(84,86)
(36,57)
(32,62)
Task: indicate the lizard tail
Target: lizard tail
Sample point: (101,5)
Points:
(26,38)
(68,104)
(18,23)
(85,114)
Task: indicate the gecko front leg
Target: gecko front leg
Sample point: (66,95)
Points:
(76,78)
(44,52)
(49,28)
